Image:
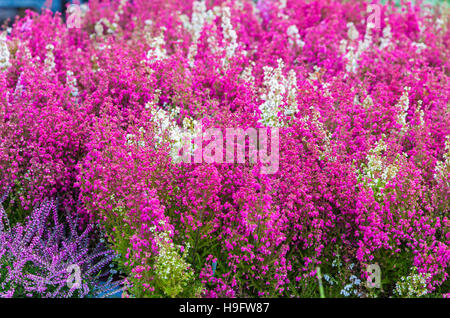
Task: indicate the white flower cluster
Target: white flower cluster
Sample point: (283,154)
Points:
(315,76)
(157,52)
(200,17)
(49,57)
(403,106)
(112,27)
(352,33)
(414,285)
(294,36)
(343,47)
(4,52)
(364,45)
(385,40)
(99,30)
(442,169)
(172,271)
(166,129)
(229,34)
(72,83)
(419,46)
(131,138)
(276,87)
(247,73)
(421,113)
(377,169)
(353,55)
(281,6)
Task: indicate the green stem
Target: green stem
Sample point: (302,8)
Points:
(319,276)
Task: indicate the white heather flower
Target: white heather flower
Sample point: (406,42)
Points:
(4,53)
(377,169)
(247,74)
(98,28)
(352,62)
(421,27)
(294,36)
(133,140)
(200,18)
(363,46)
(112,27)
(421,113)
(166,129)
(353,55)
(387,36)
(196,26)
(292,106)
(276,88)
(314,77)
(352,32)
(158,52)
(281,6)
(71,81)
(84,9)
(273,97)
(49,57)
(419,46)
(442,23)
(172,273)
(229,34)
(403,106)
(343,46)
(442,169)
(130,138)
(185,21)
(152,104)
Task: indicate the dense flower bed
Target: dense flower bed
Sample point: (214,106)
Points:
(91,112)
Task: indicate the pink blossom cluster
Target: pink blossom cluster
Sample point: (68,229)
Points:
(89,115)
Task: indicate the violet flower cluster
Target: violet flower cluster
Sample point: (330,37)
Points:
(37,258)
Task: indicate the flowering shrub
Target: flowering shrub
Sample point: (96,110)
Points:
(36,259)
(97,113)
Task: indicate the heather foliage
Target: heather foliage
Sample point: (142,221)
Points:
(36,258)
(91,114)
